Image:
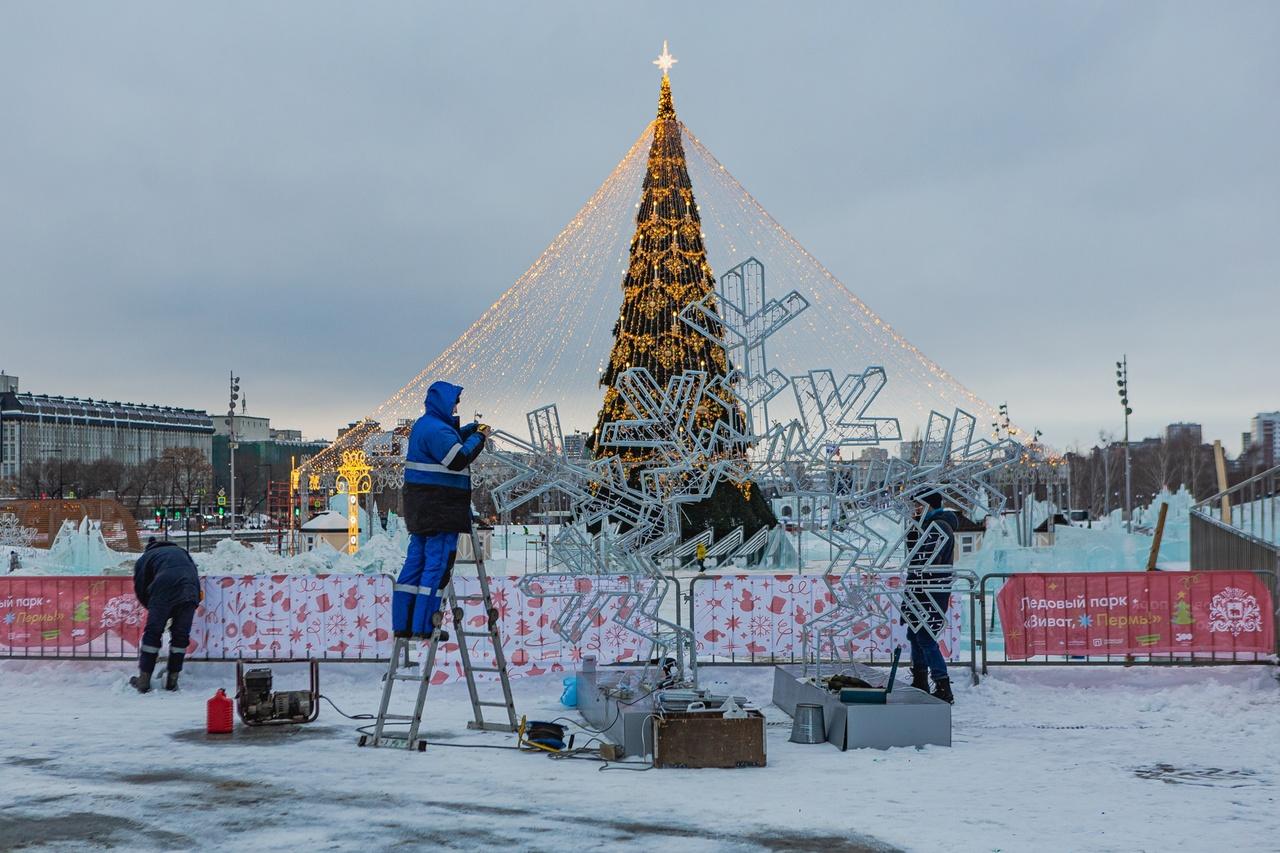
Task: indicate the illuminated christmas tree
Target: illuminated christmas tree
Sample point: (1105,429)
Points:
(668,270)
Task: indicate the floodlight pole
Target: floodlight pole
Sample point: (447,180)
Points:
(1122,383)
(1128,478)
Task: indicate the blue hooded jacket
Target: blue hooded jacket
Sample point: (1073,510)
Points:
(437,485)
(166,575)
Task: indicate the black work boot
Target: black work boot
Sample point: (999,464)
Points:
(920,678)
(176,658)
(141,682)
(437,619)
(942,690)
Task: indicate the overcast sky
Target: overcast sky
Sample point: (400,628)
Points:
(323,196)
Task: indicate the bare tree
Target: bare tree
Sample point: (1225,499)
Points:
(145,481)
(187,472)
(1155,466)
(1105,441)
(39,479)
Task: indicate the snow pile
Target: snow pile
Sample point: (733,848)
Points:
(230,557)
(1080,759)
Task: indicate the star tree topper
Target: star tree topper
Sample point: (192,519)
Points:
(665,60)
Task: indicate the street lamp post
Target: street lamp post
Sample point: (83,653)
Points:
(231,444)
(266,495)
(1122,387)
(59,453)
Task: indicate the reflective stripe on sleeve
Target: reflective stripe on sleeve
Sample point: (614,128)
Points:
(453,451)
(431,467)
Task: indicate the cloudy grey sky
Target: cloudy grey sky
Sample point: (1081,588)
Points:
(323,196)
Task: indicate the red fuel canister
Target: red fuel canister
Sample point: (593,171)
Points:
(219,714)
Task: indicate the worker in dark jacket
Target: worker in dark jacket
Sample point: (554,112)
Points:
(437,507)
(930,554)
(165,582)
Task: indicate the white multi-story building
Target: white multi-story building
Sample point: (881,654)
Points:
(575,445)
(1264,437)
(39,428)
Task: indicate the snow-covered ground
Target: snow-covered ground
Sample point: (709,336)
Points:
(1044,759)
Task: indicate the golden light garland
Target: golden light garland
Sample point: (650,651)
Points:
(547,338)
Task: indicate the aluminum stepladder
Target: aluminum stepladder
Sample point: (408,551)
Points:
(400,662)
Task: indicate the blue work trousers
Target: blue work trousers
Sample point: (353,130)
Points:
(415,598)
(926,654)
(159,612)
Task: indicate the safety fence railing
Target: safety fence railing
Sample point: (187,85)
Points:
(337,618)
(1128,618)
(763,619)
(323,617)
(1002,619)
(94,618)
(1238,527)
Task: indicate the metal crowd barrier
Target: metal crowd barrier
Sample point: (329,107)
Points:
(99,606)
(95,601)
(92,599)
(991,629)
(965,585)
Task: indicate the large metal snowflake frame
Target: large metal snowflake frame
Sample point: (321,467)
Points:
(623,524)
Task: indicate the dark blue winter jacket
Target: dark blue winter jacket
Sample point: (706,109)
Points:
(437,487)
(166,573)
(938,523)
(926,571)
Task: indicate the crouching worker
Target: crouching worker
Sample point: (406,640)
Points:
(165,582)
(437,507)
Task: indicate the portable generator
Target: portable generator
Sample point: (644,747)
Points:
(258,705)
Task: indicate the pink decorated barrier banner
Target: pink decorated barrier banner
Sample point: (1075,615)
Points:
(69,616)
(342,617)
(529,641)
(764,616)
(1136,613)
(325,617)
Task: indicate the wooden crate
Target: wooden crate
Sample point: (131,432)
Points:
(683,739)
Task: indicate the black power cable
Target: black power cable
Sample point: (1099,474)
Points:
(582,753)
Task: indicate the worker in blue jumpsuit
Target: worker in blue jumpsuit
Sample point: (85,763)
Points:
(437,507)
(165,582)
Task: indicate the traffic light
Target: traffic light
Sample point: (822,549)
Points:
(221,511)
